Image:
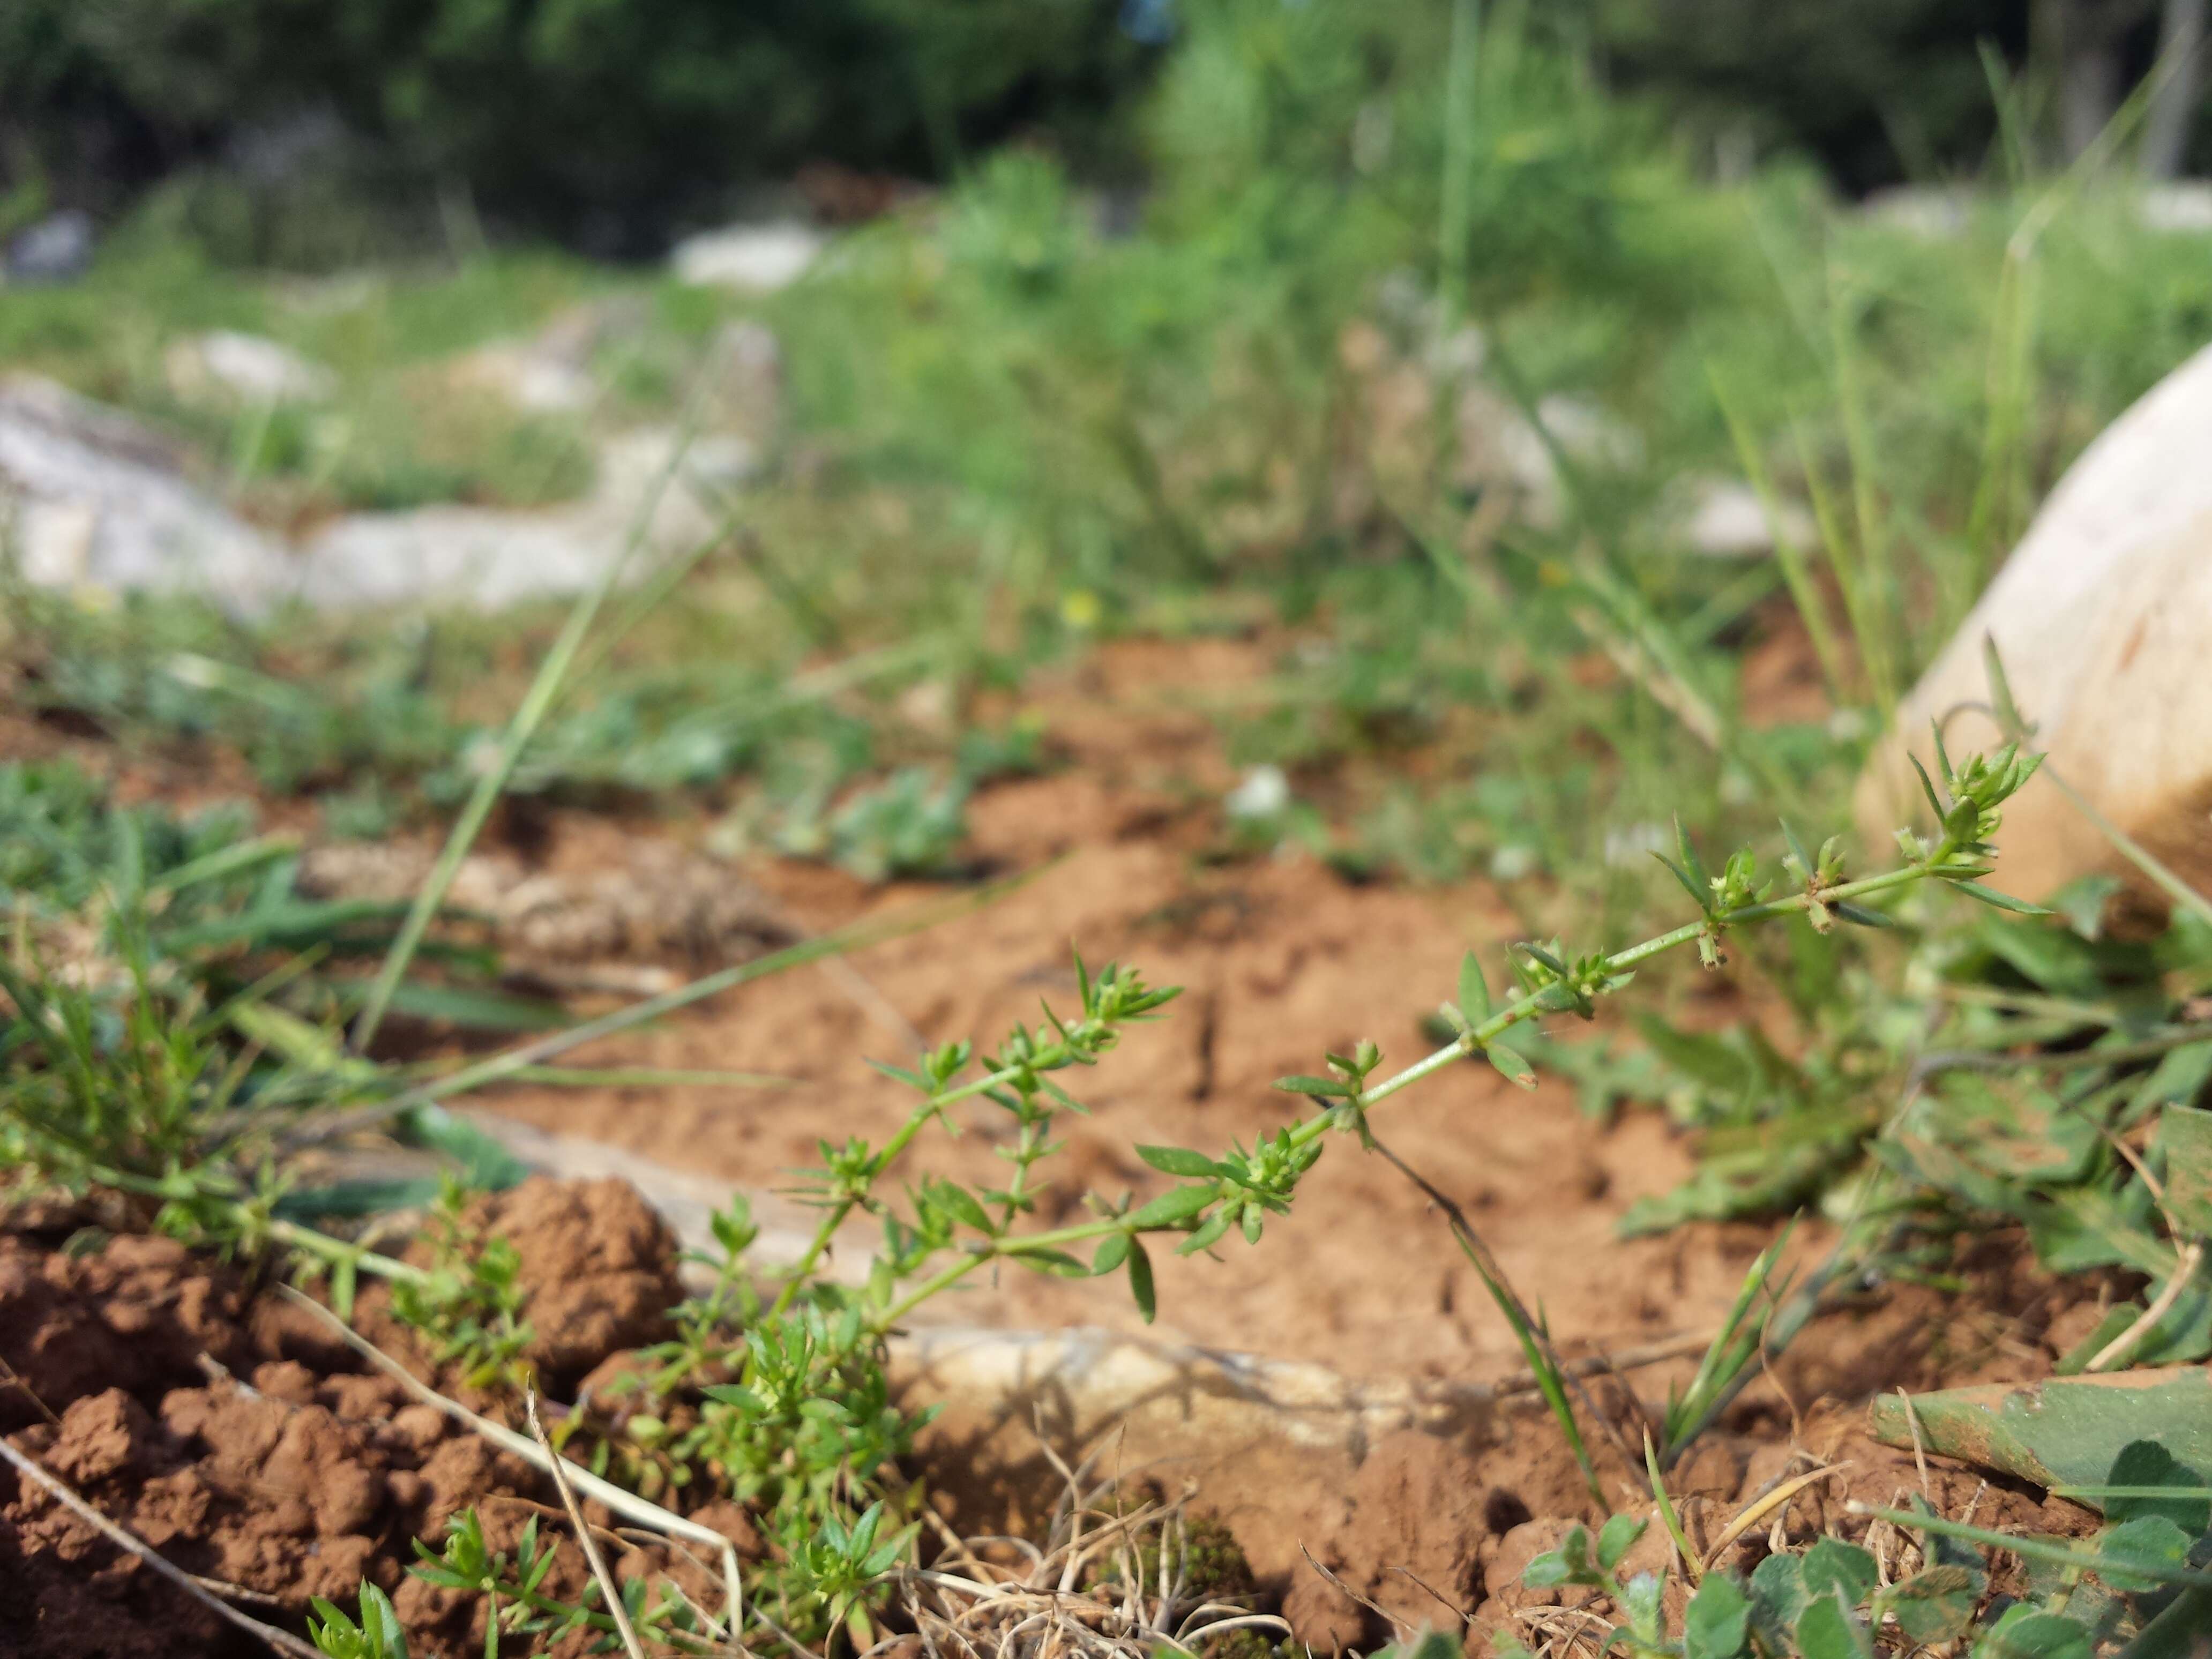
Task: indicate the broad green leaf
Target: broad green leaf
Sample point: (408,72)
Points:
(1511,1066)
(2024,1633)
(2184,1133)
(2145,1464)
(1617,1537)
(1936,1605)
(1473,990)
(1829,1630)
(2066,1432)
(1642,1599)
(1178,1204)
(1777,1597)
(1179,1161)
(1570,1563)
(2151,1541)
(1140,1280)
(1113,1251)
(1844,1569)
(1717,1622)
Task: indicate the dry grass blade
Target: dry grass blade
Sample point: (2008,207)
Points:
(627,1504)
(1405,1631)
(1759,1509)
(2130,1338)
(1085,1593)
(615,1608)
(280,1640)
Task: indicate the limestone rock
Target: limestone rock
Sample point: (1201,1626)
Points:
(93,500)
(226,366)
(2103,617)
(749,259)
(488,558)
(1500,447)
(1724,519)
(57,249)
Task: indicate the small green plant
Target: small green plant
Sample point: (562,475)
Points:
(469,1303)
(906,826)
(519,1605)
(378,1635)
(2134,1584)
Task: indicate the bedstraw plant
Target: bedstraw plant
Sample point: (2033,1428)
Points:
(771,1387)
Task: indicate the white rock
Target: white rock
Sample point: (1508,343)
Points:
(98,501)
(531,381)
(2103,617)
(245,368)
(488,558)
(1263,794)
(750,259)
(1724,519)
(2182,207)
(1498,445)
(1936,213)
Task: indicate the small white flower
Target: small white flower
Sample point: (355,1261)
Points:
(1263,794)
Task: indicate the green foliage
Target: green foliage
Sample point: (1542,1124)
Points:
(468,1305)
(906,826)
(378,1636)
(559,113)
(1828,1601)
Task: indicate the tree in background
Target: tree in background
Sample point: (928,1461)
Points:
(613,124)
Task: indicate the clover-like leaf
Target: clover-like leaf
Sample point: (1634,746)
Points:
(1717,1623)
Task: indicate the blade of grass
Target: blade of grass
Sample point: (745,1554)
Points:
(1453,210)
(1733,1348)
(1552,1378)
(544,689)
(1880,627)
(502,1067)
(2058,1552)
(1812,605)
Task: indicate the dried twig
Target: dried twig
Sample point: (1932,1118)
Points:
(554,1461)
(282,1641)
(2131,1339)
(1759,1508)
(1399,1626)
(1919,1451)
(621,1502)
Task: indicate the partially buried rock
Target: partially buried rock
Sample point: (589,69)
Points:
(599,1266)
(227,367)
(2103,620)
(57,249)
(93,500)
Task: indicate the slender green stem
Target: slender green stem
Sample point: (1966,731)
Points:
(337,1249)
(539,699)
(503,1067)
(1453,207)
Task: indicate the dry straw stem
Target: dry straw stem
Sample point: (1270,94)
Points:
(281,1641)
(623,1502)
(613,1591)
(503,1067)
(537,703)
(964,1607)
(1759,1508)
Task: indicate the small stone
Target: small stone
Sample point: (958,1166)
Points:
(758,258)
